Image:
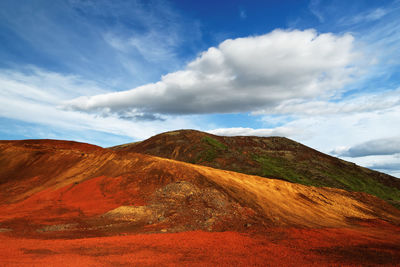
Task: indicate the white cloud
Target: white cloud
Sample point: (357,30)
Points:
(386,166)
(35,97)
(330,131)
(244,74)
(359,103)
(383,146)
(239,131)
(38,85)
(384,163)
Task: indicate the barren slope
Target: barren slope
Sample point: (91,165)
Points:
(77,186)
(56,194)
(272,157)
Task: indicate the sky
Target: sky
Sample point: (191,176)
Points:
(323,73)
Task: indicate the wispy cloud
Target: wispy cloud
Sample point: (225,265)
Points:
(314,7)
(159,35)
(242,13)
(119,43)
(35,96)
(377,32)
(367,16)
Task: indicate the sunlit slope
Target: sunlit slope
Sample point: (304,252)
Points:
(274,157)
(54,182)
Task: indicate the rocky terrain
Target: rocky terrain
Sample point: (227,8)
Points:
(64,203)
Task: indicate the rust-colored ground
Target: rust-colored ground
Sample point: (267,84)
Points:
(67,204)
(366,246)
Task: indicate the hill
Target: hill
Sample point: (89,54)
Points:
(58,181)
(272,157)
(146,210)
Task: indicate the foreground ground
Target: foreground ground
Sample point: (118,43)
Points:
(374,243)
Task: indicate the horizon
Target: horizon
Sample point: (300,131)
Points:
(322,73)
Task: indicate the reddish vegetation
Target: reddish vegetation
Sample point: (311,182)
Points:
(275,247)
(66,203)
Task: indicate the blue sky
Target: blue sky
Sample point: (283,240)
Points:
(324,73)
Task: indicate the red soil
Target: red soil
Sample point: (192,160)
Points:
(57,183)
(86,199)
(276,247)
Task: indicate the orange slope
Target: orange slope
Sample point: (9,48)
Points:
(54,181)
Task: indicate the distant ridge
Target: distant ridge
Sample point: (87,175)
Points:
(273,157)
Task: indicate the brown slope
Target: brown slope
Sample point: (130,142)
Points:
(274,157)
(47,186)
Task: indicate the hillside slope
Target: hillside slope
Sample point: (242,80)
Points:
(274,157)
(53,185)
(146,211)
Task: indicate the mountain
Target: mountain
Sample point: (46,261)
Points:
(272,157)
(63,203)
